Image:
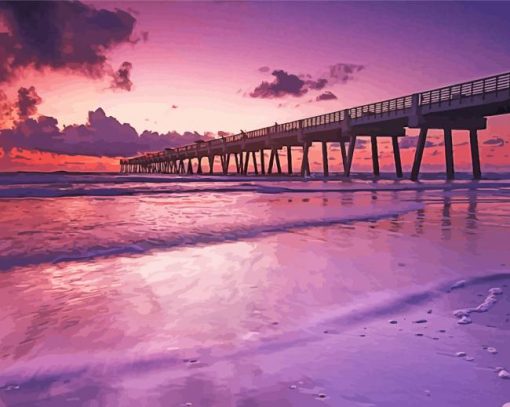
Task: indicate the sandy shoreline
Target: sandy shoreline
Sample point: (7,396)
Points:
(416,355)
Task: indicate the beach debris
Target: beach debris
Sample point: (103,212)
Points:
(429,311)
(293,387)
(321,396)
(464,320)
(504,374)
(421,321)
(393,321)
(427,393)
(458,284)
(419,334)
(469,358)
(460,354)
(492,350)
(486,305)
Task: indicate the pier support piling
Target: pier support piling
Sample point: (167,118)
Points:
(277,160)
(211,164)
(375,155)
(262,162)
(344,155)
(475,153)
(350,156)
(396,156)
(448,152)
(305,167)
(325,164)
(418,155)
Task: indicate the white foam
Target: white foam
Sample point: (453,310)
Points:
(486,305)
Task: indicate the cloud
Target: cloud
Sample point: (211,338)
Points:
(102,135)
(326,96)
(412,141)
(496,141)
(343,73)
(174,106)
(287,84)
(284,84)
(121,79)
(69,36)
(28,99)
(318,84)
(6,109)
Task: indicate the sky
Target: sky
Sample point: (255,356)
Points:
(84,83)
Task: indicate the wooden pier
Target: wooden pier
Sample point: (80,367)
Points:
(463,106)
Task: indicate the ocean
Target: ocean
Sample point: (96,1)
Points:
(157,290)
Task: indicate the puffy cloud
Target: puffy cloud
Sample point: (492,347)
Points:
(102,135)
(326,96)
(61,36)
(28,99)
(121,79)
(284,84)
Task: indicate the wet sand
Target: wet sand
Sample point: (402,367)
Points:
(354,308)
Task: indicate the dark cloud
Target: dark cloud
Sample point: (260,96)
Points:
(326,96)
(412,141)
(284,84)
(343,73)
(102,135)
(121,79)
(317,85)
(28,99)
(496,141)
(60,35)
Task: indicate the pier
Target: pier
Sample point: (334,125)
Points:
(463,106)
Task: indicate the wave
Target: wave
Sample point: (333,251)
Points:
(202,238)
(62,191)
(31,178)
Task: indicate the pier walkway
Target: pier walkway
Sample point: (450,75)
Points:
(463,106)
